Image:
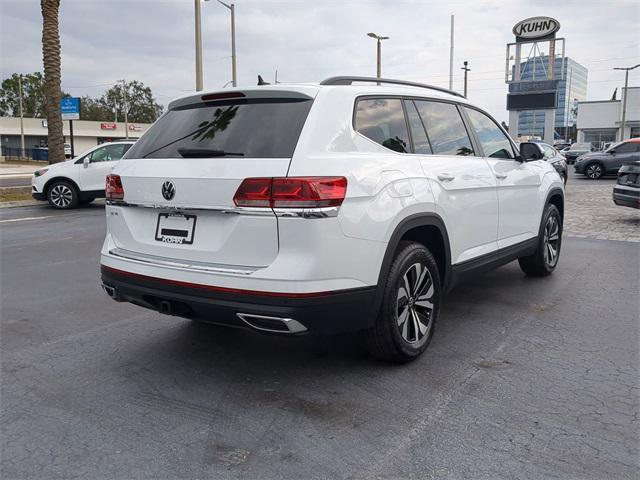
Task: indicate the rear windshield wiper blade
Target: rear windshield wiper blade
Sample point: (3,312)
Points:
(206,152)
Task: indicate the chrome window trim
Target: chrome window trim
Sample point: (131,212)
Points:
(190,265)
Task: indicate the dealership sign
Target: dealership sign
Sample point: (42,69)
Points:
(536,28)
(107,126)
(70,108)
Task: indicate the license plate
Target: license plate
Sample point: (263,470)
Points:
(176,228)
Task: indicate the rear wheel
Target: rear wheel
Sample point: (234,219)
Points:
(545,259)
(62,195)
(411,301)
(594,170)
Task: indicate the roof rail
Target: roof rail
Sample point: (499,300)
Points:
(350,80)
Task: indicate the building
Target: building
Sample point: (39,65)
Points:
(600,121)
(86,134)
(572,88)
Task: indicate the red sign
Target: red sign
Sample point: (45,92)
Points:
(108,126)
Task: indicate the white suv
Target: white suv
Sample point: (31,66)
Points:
(325,208)
(67,184)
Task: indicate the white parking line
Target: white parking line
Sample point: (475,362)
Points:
(25,218)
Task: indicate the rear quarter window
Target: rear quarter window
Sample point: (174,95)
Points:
(382,120)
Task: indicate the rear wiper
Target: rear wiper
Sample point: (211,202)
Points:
(205,153)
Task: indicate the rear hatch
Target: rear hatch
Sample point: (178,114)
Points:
(180,178)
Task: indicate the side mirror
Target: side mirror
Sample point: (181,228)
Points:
(612,151)
(85,162)
(530,151)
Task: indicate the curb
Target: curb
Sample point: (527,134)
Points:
(20,203)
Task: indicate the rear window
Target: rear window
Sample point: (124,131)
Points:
(256,128)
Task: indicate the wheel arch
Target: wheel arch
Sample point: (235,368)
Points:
(556,197)
(426,228)
(50,182)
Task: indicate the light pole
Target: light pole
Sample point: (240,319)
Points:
(466,70)
(22,154)
(624,100)
(232,9)
(379,56)
(198,46)
(126,107)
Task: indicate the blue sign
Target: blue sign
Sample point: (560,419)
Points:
(70,108)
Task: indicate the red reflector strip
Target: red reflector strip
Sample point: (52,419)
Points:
(113,187)
(212,288)
(221,96)
(291,192)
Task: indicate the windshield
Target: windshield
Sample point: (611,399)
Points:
(581,146)
(257,128)
(612,146)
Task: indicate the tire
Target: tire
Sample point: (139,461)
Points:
(412,290)
(594,170)
(62,195)
(545,259)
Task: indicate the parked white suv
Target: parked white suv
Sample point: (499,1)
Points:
(325,208)
(79,180)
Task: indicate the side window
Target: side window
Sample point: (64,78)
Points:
(494,142)
(108,153)
(382,120)
(548,151)
(445,128)
(627,147)
(420,140)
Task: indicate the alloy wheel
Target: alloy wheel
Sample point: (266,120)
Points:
(61,195)
(414,307)
(551,241)
(594,171)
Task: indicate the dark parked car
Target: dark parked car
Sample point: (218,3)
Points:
(576,150)
(555,158)
(597,164)
(627,191)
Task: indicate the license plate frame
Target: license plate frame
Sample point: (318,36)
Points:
(175,228)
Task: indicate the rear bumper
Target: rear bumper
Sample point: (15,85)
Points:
(321,312)
(626,196)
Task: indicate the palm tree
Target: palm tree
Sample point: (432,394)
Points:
(51,60)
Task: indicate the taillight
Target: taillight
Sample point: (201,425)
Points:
(113,188)
(291,192)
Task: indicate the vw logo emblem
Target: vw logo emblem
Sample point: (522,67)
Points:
(168,190)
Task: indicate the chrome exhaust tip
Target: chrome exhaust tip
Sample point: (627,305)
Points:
(111,291)
(272,324)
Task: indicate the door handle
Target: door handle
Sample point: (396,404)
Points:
(445,177)
(501,176)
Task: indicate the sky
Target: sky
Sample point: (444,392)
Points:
(308,40)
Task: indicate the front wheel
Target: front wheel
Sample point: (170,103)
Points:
(545,259)
(411,301)
(594,171)
(62,195)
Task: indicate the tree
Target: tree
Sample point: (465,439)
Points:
(141,106)
(93,109)
(53,93)
(34,101)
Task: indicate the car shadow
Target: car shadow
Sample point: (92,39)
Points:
(210,350)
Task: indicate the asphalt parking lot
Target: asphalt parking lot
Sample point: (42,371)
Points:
(525,378)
